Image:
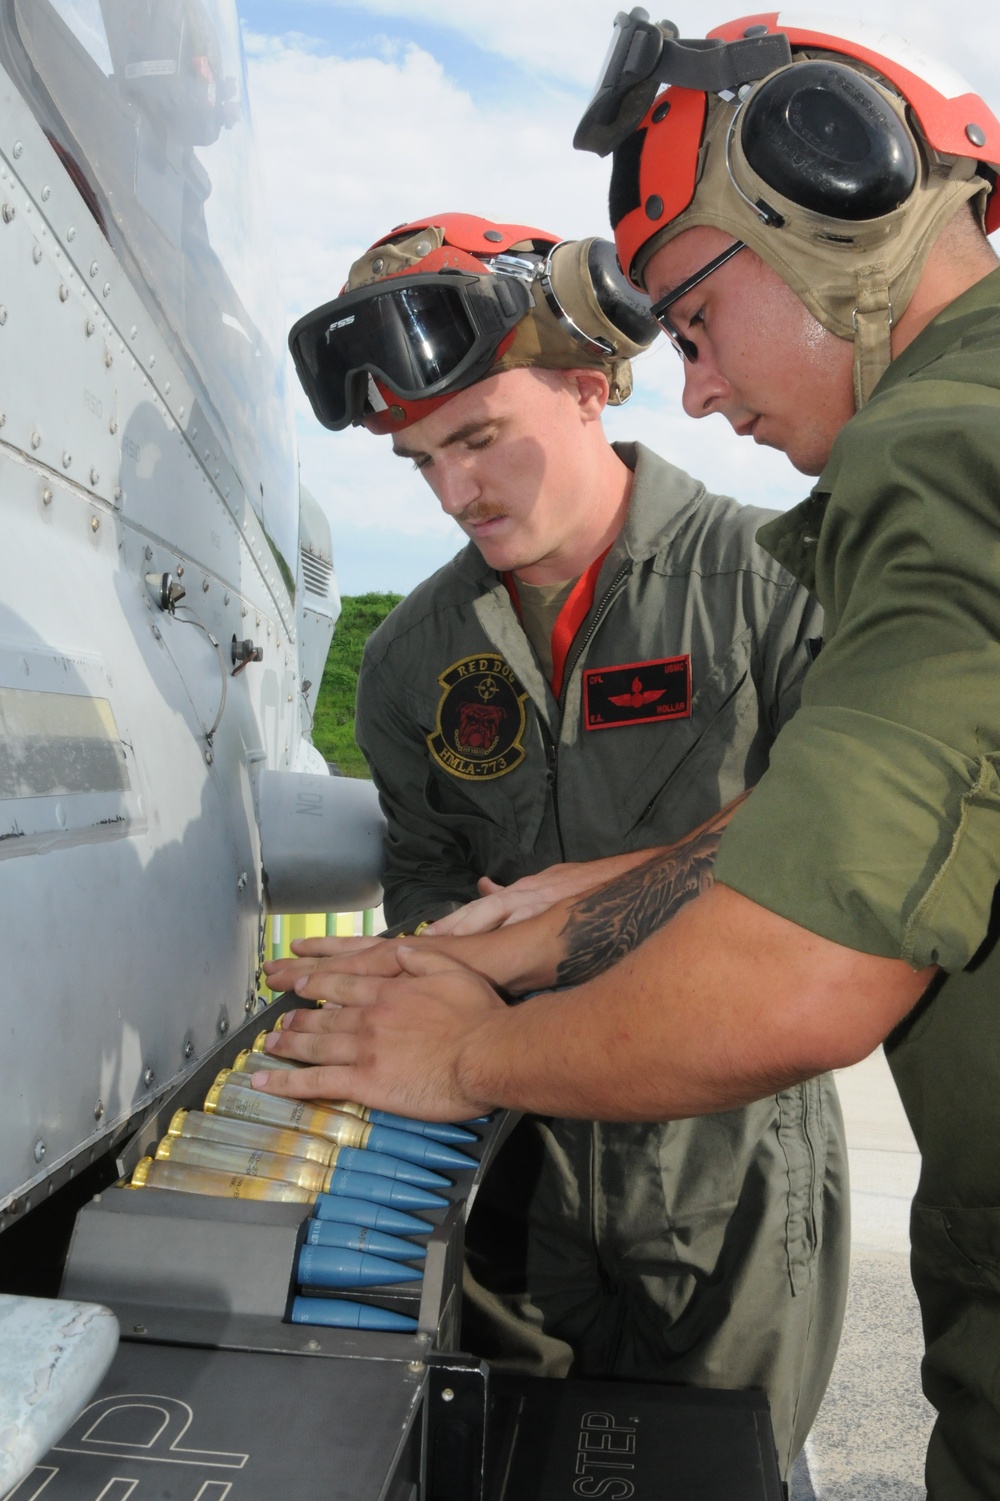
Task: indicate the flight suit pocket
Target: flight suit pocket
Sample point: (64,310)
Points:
(957,1246)
(956,1272)
(711,771)
(490,845)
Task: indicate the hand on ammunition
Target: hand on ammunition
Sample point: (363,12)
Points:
(396,1043)
(341,955)
(518,964)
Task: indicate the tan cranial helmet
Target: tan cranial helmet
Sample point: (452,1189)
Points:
(839,165)
(444,302)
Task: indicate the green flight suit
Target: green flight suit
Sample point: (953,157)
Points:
(878,823)
(712,1251)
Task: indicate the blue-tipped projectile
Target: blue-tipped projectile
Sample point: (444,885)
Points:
(361,1160)
(360,1238)
(414,1148)
(437,1130)
(339,1313)
(328,1266)
(379,1190)
(364,1212)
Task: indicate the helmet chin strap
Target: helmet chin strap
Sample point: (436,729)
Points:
(872,332)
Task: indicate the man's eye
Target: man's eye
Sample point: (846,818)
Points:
(477,443)
(422,462)
(697,319)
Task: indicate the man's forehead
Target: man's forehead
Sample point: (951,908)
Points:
(477,406)
(683,257)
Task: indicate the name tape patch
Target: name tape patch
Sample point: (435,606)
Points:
(480,719)
(637,693)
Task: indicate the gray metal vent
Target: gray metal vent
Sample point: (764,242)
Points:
(316,573)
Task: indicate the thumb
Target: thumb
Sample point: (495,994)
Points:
(425,961)
(486,887)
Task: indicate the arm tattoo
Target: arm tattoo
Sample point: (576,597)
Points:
(608,924)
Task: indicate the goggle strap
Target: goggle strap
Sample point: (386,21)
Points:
(714,69)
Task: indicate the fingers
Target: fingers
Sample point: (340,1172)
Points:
(445,926)
(319,948)
(481,916)
(306,1020)
(332,1081)
(525,910)
(423,961)
(334,1045)
(341,989)
(283,974)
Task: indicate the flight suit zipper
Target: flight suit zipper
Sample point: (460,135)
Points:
(595,621)
(552,764)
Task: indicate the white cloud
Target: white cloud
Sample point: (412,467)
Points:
(564,39)
(351,147)
(567,39)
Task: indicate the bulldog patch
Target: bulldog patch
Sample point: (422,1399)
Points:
(480,719)
(637,693)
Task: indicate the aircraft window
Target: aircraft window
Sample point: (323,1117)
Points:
(84,19)
(151,108)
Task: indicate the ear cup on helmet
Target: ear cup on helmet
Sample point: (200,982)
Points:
(823,137)
(584,288)
(624,308)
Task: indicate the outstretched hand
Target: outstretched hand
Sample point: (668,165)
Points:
(361,956)
(517,964)
(502,906)
(395,1042)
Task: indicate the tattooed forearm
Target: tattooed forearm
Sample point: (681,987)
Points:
(608,924)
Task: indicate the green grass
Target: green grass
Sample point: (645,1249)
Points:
(333,730)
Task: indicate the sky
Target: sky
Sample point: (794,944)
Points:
(371,113)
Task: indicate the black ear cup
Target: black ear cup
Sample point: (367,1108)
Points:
(624,307)
(824,138)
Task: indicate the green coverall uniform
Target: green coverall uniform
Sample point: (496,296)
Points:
(711,1251)
(878,824)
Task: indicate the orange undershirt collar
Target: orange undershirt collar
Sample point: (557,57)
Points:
(570,618)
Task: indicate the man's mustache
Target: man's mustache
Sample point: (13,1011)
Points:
(484,510)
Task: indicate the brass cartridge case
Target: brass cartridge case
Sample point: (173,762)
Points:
(249,1060)
(253,1136)
(227,1097)
(225,1157)
(219,1185)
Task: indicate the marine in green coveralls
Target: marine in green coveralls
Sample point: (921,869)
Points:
(606,663)
(810,227)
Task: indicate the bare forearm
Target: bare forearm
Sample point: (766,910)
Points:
(582,937)
(610,923)
(727,1005)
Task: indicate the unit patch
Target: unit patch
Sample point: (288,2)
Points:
(637,693)
(480,719)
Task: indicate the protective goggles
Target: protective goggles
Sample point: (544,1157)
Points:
(420,335)
(643,56)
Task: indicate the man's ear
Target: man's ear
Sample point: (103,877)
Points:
(592,389)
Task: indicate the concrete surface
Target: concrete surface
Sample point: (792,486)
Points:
(869,1438)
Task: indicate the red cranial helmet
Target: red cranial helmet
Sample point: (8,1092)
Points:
(439,304)
(838,156)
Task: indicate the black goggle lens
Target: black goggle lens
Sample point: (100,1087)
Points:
(421,338)
(413,336)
